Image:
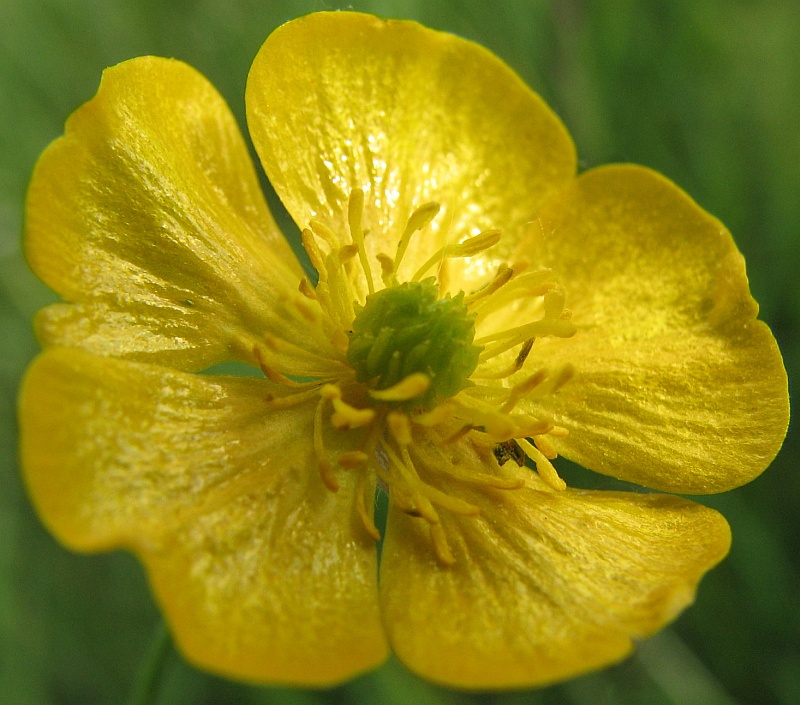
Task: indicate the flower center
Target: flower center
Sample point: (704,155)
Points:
(412,370)
(408,329)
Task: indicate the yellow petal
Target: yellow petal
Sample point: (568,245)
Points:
(147,215)
(545,585)
(262,572)
(278,586)
(339,101)
(116,452)
(678,386)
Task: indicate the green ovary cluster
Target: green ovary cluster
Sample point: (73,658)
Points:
(408,328)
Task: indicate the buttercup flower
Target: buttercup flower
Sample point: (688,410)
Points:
(476,310)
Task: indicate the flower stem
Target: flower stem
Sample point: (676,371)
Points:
(145,688)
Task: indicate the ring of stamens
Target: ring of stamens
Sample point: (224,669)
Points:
(387,427)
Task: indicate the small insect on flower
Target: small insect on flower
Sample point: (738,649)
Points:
(509,450)
(474,301)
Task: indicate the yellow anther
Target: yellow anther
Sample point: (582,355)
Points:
(330,391)
(497,426)
(513,368)
(559,328)
(314,253)
(439,414)
(364,514)
(543,466)
(440,545)
(554,302)
(345,416)
(502,277)
(468,248)
(289,400)
(400,427)
(563,375)
(544,444)
(353,459)
(421,217)
(523,388)
(527,426)
(323,232)
(387,269)
(558,432)
(347,252)
(323,464)
(473,245)
(412,386)
(458,435)
(306,289)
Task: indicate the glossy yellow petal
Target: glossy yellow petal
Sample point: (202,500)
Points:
(545,585)
(678,386)
(339,101)
(147,215)
(116,452)
(278,586)
(263,573)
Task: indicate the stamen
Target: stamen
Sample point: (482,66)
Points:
(513,368)
(421,217)
(314,253)
(523,388)
(347,252)
(468,248)
(387,268)
(439,414)
(407,388)
(543,466)
(353,459)
(440,545)
(502,277)
(528,286)
(557,328)
(400,427)
(345,416)
(361,507)
(277,377)
(355,213)
(323,464)
(318,366)
(542,327)
(306,289)
(544,444)
(323,232)
(289,400)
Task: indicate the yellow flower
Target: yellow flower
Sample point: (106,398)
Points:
(604,317)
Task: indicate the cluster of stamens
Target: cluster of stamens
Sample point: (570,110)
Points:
(388,422)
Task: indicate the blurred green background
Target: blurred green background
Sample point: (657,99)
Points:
(705,91)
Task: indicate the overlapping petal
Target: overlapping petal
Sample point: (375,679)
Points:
(546,585)
(409,115)
(148,218)
(678,386)
(264,573)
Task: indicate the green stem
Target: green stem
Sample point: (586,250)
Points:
(145,688)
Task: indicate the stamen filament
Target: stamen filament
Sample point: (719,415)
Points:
(355,213)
